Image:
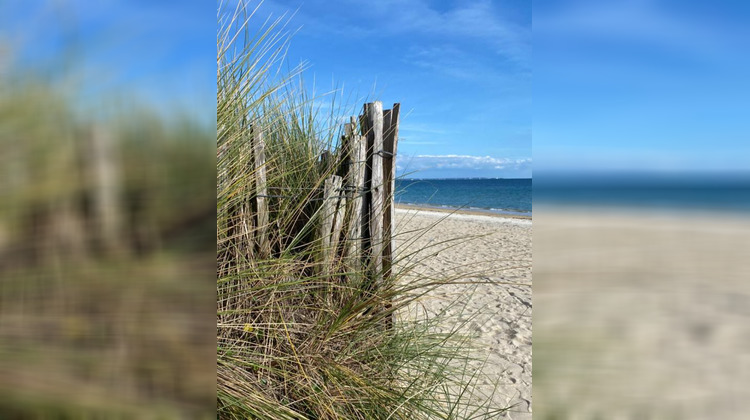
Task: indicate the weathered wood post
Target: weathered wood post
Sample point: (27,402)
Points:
(356,182)
(374,118)
(106,193)
(330,226)
(339,213)
(259,153)
(390,147)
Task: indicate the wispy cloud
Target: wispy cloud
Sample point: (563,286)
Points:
(408,140)
(412,127)
(450,61)
(644,22)
(475,22)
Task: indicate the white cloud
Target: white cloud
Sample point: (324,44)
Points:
(469,162)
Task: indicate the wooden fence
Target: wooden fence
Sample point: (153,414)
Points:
(356,212)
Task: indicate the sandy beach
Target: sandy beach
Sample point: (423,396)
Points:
(494,251)
(641,314)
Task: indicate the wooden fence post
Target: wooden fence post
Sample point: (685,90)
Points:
(390,146)
(374,117)
(356,182)
(329,225)
(106,191)
(324,163)
(259,152)
(338,221)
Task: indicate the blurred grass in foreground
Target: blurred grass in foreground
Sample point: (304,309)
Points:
(106,255)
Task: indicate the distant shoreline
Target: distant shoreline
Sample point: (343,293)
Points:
(467,212)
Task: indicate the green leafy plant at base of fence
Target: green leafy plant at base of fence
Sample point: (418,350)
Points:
(298,339)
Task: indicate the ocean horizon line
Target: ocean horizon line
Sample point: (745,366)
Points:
(460,178)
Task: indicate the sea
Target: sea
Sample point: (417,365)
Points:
(673,191)
(490,195)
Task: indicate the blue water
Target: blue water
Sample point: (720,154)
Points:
(671,191)
(505,196)
(688,191)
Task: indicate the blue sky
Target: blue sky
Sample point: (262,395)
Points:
(624,84)
(161,53)
(460,69)
(641,85)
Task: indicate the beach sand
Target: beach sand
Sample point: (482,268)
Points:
(496,252)
(641,314)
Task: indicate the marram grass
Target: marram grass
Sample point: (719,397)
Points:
(296,340)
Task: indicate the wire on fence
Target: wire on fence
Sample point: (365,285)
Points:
(383,153)
(335,197)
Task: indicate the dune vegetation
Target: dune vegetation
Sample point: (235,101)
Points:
(297,339)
